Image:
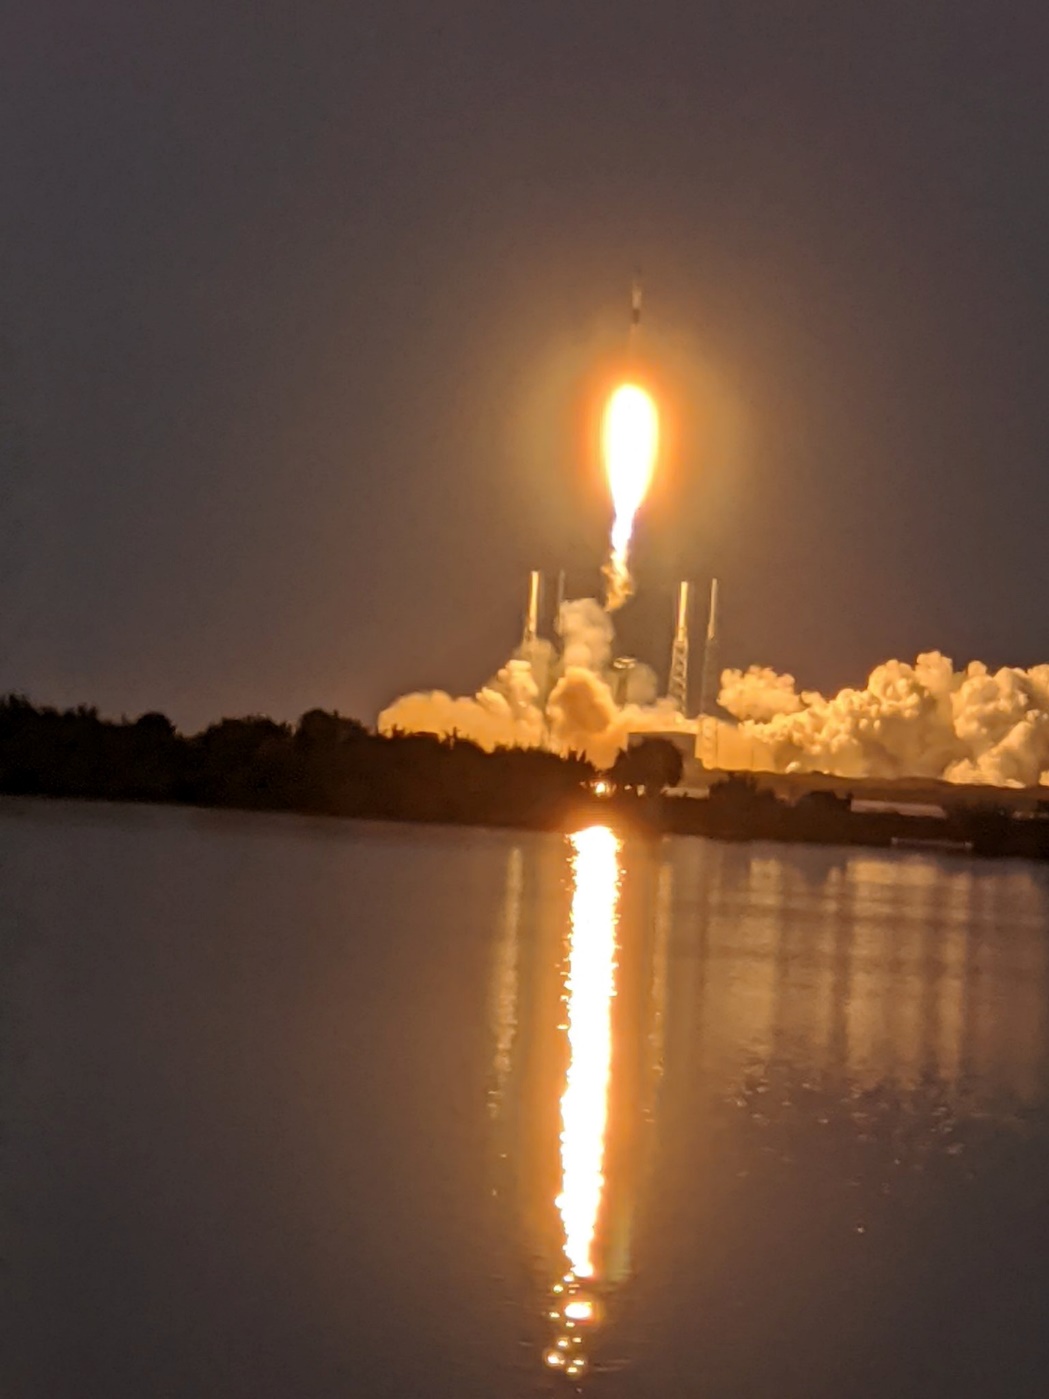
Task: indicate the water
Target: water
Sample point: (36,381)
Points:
(282,1114)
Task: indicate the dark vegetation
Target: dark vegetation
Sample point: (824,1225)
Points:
(324,764)
(329,765)
(651,766)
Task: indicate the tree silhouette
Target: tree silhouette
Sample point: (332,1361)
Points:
(326,763)
(652,764)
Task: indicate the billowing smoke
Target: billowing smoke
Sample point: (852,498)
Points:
(924,719)
(758,693)
(571,702)
(503,714)
(920,720)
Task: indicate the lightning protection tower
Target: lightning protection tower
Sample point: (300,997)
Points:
(708,685)
(678,687)
(531,626)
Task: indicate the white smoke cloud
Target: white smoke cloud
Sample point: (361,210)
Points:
(503,714)
(587,635)
(920,720)
(758,693)
(924,719)
(563,703)
(584,717)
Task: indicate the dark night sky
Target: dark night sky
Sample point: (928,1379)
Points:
(302,309)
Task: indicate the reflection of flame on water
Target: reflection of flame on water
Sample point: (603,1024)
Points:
(574,1314)
(590,987)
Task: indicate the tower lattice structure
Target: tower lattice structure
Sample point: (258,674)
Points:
(678,687)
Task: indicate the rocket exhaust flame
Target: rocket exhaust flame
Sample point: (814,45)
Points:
(630,444)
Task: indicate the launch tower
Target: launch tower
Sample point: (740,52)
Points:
(678,686)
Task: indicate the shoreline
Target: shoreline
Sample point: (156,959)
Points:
(980,834)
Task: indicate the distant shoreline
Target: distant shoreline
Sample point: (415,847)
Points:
(328,765)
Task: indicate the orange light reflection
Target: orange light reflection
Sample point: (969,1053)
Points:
(590,988)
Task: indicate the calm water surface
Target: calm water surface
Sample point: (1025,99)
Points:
(296,1110)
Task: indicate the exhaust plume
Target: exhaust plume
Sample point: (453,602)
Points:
(630,442)
(920,720)
(540,699)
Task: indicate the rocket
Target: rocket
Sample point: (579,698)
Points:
(635,307)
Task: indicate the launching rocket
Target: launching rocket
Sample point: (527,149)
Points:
(635,308)
(630,446)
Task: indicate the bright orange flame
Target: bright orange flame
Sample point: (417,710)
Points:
(590,986)
(630,443)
